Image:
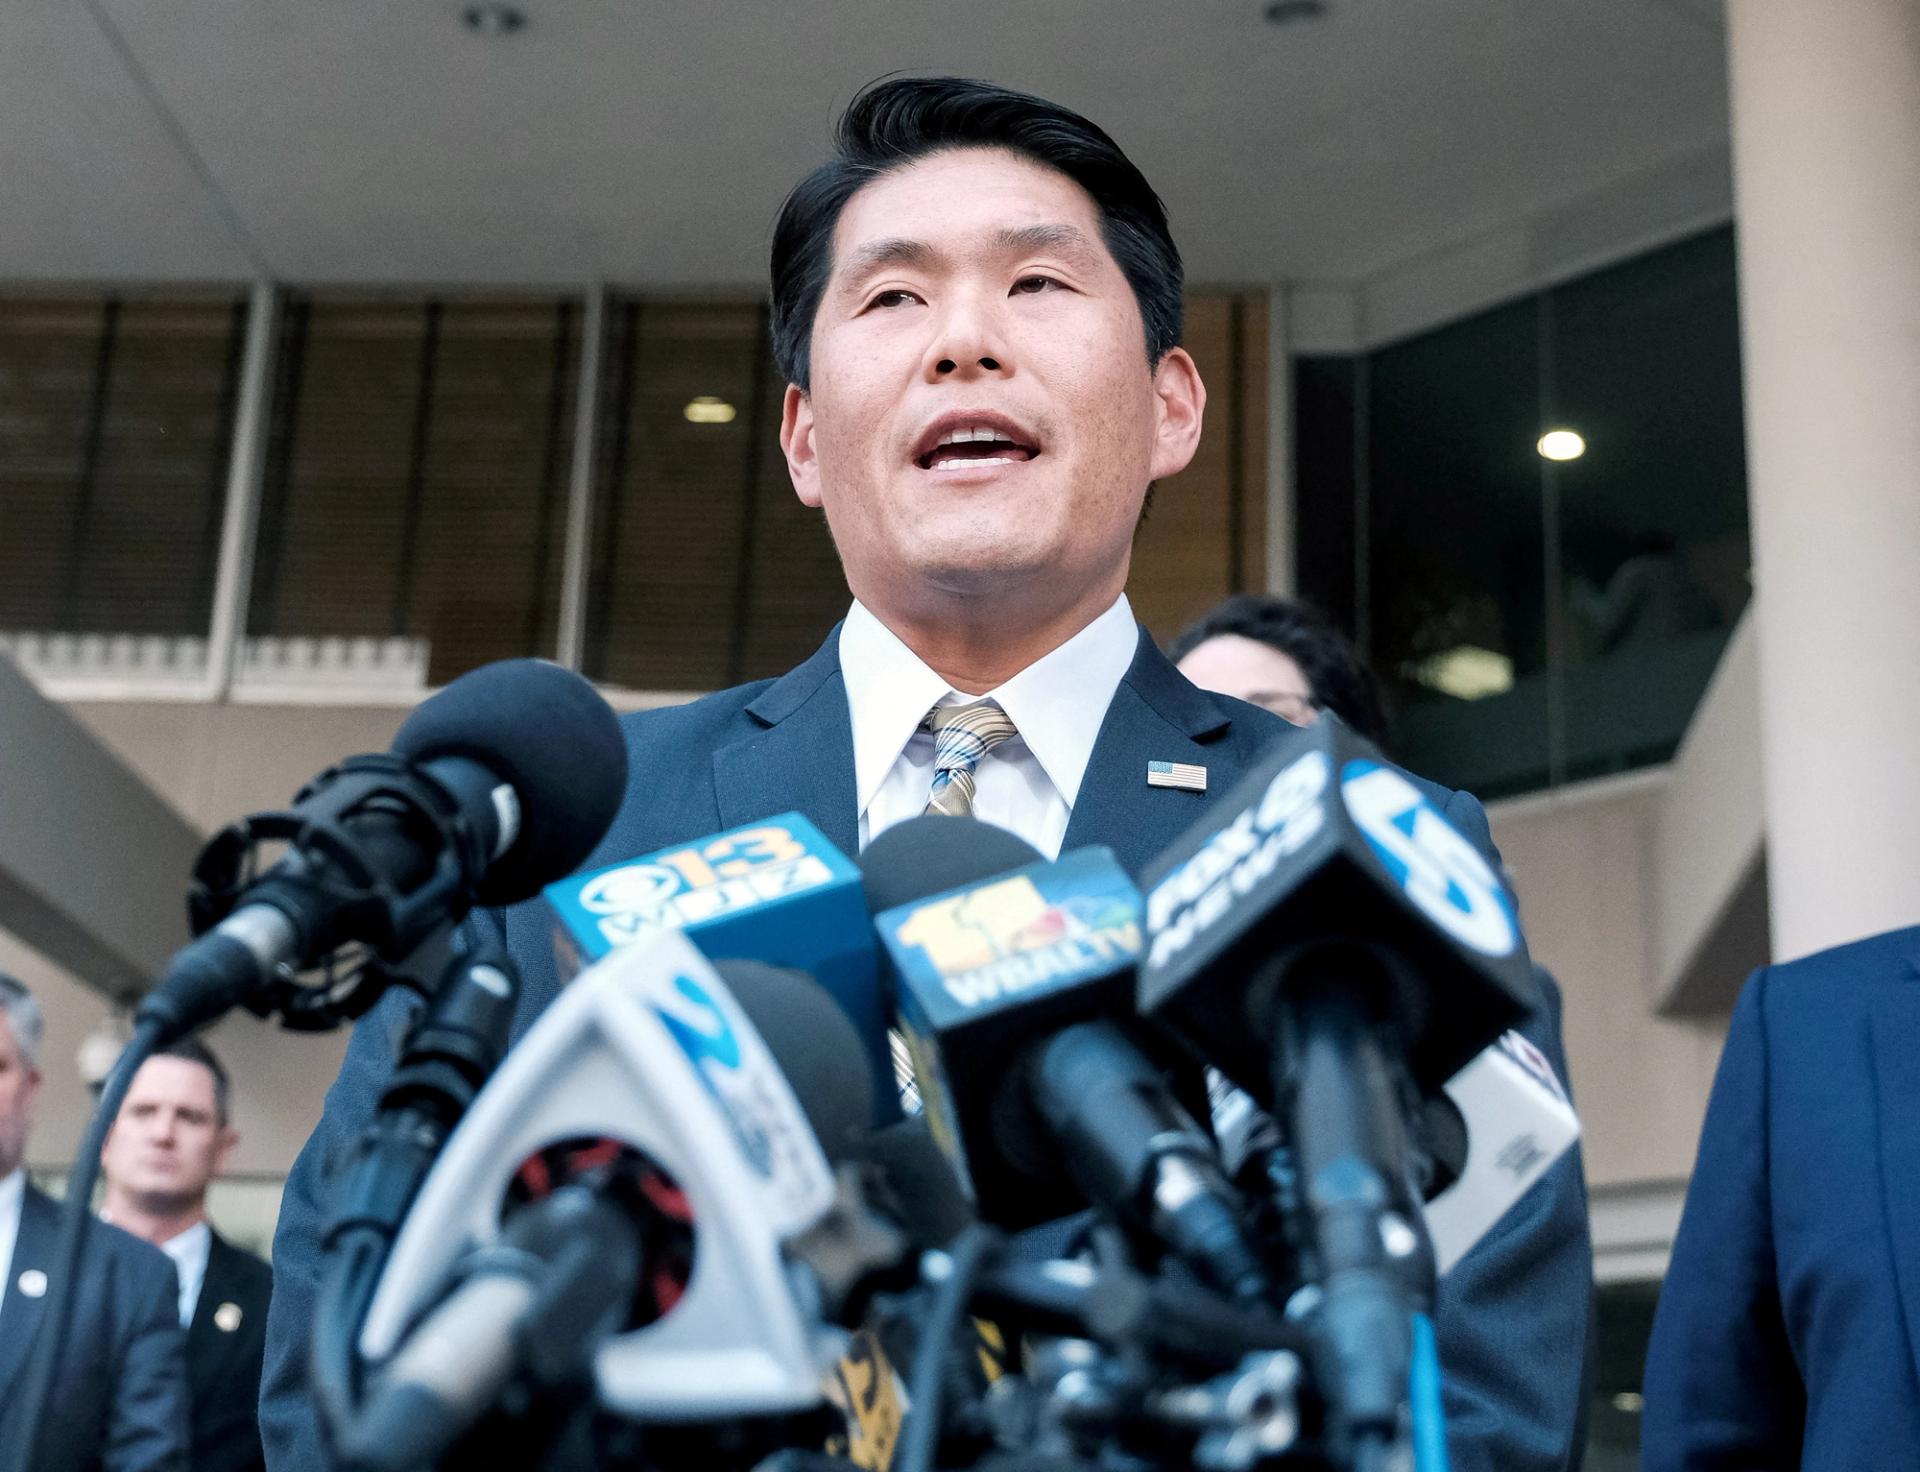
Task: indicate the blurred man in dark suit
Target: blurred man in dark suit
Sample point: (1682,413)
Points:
(120,1395)
(173,1138)
(1788,1332)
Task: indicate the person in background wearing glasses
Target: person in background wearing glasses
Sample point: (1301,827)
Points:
(1284,656)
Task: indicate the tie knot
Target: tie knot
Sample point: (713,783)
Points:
(962,734)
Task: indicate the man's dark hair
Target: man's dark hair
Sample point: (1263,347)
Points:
(894,122)
(195,1051)
(1340,682)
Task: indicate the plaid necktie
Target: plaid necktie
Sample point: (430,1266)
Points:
(962,734)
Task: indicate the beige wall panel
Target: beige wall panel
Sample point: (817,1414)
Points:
(1641,1082)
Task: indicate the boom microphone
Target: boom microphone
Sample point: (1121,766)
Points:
(502,781)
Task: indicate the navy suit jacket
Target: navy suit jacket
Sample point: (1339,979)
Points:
(226,1344)
(1788,1330)
(120,1397)
(1512,1317)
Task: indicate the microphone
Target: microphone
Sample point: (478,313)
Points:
(704,1102)
(1517,1121)
(497,784)
(775,890)
(1009,994)
(1324,932)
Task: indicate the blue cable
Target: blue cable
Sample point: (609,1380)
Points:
(1423,1393)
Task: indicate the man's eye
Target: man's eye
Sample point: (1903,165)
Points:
(895,298)
(1034,285)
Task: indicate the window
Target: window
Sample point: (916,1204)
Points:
(416,479)
(1537,621)
(115,418)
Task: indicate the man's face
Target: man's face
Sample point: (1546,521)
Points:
(168,1141)
(19,1089)
(1231,664)
(972,295)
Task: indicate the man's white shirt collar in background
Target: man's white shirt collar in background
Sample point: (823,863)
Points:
(189,1251)
(1031,783)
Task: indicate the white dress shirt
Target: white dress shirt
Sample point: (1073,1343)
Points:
(1030,782)
(189,1251)
(13,1200)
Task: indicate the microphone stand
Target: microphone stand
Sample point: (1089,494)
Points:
(448,1056)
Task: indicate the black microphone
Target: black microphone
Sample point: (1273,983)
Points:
(1011,994)
(500,783)
(1327,940)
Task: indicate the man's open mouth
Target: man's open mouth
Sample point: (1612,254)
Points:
(967,446)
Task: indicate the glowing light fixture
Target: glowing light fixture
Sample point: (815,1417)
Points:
(1466,673)
(1629,1401)
(708,410)
(1561,444)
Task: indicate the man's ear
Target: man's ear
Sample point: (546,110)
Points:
(796,443)
(1180,401)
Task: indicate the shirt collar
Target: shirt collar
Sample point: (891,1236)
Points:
(189,1249)
(1057,703)
(13,1191)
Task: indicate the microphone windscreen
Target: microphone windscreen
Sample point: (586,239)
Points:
(917,1186)
(931,854)
(548,734)
(816,1047)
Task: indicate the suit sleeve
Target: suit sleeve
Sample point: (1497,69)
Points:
(290,1431)
(147,1406)
(1723,1390)
(1512,1316)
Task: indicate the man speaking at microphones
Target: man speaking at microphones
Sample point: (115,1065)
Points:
(976,303)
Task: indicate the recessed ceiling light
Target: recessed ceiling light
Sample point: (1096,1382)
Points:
(1561,444)
(1284,12)
(708,410)
(1630,1401)
(1466,673)
(493,19)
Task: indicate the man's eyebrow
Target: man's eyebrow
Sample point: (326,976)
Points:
(1067,240)
(895,251)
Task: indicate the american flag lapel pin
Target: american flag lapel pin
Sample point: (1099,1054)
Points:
(1184,775)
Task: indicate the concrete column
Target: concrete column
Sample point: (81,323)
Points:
(1826,150)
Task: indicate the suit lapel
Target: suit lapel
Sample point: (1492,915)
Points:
(803,760)
(1156,715)
(20,1314)
(205,1341)
(1896,1072)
